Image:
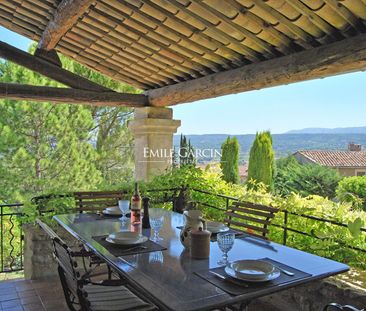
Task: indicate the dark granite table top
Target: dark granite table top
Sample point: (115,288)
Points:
(169,276)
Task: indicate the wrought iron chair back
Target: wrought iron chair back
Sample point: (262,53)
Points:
(251,218)
(97,200)
(335,306)
(67,267)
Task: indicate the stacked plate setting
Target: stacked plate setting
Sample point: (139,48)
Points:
(216,227)
(252,270)
(112,211)
(126,238)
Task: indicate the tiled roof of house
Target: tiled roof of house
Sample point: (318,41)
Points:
(335,158)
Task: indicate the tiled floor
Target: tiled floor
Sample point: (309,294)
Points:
(24,295)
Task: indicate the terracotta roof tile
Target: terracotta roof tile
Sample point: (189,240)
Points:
(335,158)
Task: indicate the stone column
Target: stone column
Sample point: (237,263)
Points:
(153,129)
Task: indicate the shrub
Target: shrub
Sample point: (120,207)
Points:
(305,179)
(261,160)
(353,189)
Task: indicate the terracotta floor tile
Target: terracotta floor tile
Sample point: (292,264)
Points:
(30,299)
(28,293)
(18,308)
(10,303)
(7,297)
(33,307)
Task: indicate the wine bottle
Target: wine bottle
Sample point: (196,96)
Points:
(136,206)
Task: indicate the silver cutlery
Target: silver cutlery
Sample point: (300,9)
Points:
(224,278)
(285,271)
(135,248)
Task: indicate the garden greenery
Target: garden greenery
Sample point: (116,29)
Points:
(305,179)
(353,189)
(324,238)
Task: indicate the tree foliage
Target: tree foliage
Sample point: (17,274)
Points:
(230,160)
(48,147)
(261,160)
(186,152)
(305,179)
(353,189)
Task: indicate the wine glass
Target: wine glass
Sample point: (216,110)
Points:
(124,206)
(225,241)
(156,222)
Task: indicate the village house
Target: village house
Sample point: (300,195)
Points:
(350,162)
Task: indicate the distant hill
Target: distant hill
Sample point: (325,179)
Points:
(283,144)
(338,130)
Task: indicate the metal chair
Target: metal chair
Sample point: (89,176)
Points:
(108,295)
(251,218)
(335,306)
(89,260)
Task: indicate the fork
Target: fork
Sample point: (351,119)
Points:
(135,247)
(285,271)
(227,279)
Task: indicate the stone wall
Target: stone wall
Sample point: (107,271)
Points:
(38,257)
(314,296)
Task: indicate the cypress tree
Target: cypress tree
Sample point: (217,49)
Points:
(230,160)
(186,152)
(261,160)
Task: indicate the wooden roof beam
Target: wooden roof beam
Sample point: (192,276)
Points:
(70,96)
(344,56)
(48,69)
(66,15)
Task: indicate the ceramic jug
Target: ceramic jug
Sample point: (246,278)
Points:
(193,221)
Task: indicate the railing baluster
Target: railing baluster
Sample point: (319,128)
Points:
(2,240)
(285,222)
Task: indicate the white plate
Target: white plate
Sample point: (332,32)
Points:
(216,227)
(218,230)
(112,209)
(143,239)
(126,238)
(270,277)
(113,213)
(252,269)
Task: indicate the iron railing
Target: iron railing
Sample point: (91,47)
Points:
(11,238)
(285,225)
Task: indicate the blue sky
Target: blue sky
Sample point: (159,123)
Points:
(332,102)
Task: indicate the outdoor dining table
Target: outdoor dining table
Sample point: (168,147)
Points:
(169,277)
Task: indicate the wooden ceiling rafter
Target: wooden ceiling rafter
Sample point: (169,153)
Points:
(249,52)
(270,49)
(302,37)
(344,56)
(202,67)
(184,50)
(163,58)
(236,58)
(209,64)
(66,15)
(316,19)
(286,41)
(162,70)
(70,96)
(81,90)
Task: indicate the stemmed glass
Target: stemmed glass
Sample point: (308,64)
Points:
(124,206)
(156,222)
(225,242)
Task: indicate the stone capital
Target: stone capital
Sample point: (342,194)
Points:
(153,129)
